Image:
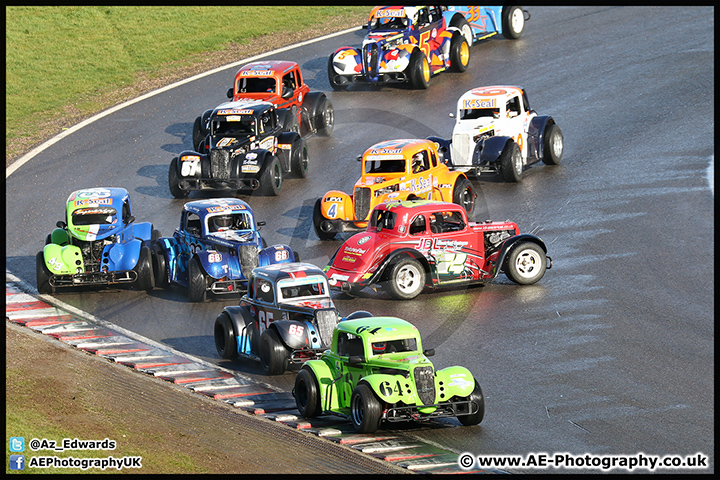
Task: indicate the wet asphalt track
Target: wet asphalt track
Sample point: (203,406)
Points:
(612,352)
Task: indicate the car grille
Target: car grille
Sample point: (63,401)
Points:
(220,164)
(248,255)
(462,147)
(362,203)
(425,384)
(92,255)
(370,58)
(326,321)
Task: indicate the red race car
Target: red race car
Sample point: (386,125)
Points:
(411,244)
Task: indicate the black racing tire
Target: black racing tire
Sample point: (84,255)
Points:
(526,263)
(459,53)
(299,158)
(273,354)
(464,195)
(553,145)
(331,76)
(307,393)
(513,21)
(476,397)
(160,266)
(511,164)
(365,409)
(419,70)
(48,239)
(144,269)
(325,119)
(198,134)
(271,178)
(406,279)
(317,219)
(197,283)
(42,275)
(461,23)
(174,182)
(225,337)
(154,235)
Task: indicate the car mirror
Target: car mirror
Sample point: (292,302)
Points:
(61,224)
(230,93)
(129,219)
(355,359)
(359,158)
(496,115)
(286,92)
(452,115)
(429,352)
(260,224)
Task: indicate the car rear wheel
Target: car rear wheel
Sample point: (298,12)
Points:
(513,20)
(225,337)
(419,70)
(299,160)
(197,284)
(143,268)
(462,24)
(325,120)
(43,274)
(464,195)
(306,392)
(159,266)
(271,179)
(459,53)
(476,397)
(198,134)
(365,409)
(552,145)
(174,182)
(273,354)
(318,223)
(407,279)
(511,165)
(526,263)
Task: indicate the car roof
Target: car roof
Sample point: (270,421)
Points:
(488,97)
(393,11)
(287,270)
(394,149)
(241,107)
(379,329)
(215,205)
(418,206)
(109,196)
(266,68)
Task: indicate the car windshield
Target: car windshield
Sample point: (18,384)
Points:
(294,289)
(256,85)
(94,216)
(382,219)
(234,127)
(229,221)
(384,166)
(394,346)
(473,113)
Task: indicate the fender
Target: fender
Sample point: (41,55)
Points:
(123,256)
(390,388)
(346,58)
(169,247)
(218,264)
(337,207)
(536,134)
(285,151)
(328,387)
(190,164)
(508,245)
(258,157)
(61,260)
(276,254)
(457,380)
(387,261)
(294,333)
(311,104)
(60,236)
(241,320)
(488,151)
(443,150)
(282,116)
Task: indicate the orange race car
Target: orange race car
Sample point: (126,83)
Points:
(392,170)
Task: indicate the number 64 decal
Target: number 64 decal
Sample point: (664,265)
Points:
(451,263)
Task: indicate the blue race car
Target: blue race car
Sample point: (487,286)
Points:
(99,243)
(409,44)
(215,249)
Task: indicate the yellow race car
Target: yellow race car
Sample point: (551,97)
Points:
(392,170)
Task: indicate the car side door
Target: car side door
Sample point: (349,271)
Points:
(188,242)
(452,246)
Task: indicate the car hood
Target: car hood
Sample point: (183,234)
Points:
(234,236)
(401,360)
(313,303)
(476,126)
(359,251)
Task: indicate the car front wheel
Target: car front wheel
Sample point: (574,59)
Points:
(271,179)
(552,145)
(476,397)
(273,354)
(307,395)
(526,263)
(43,274)
(197,284)
(464,195)
(365,409)
(511,164)
(225,339)
(143,268)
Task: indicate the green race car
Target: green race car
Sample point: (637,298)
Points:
(375,370)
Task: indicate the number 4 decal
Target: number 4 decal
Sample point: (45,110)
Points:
(451,263)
